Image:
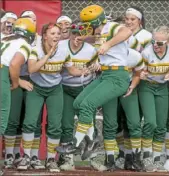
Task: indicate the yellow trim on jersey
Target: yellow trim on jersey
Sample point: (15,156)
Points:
(34,53)
(103,68)
(23,47)
(144,44)
(110,34)
(1,65)
(140,62)
(93,59)
(112,31)
(135,44)
(80,60)
(145,61)
(158,64)
(68,58)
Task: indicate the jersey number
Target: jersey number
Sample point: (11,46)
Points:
(4,47)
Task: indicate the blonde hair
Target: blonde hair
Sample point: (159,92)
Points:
(163,30)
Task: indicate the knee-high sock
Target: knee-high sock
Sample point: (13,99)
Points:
(27,139)
(51,145)
(9,144)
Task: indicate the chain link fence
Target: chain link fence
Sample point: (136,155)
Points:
(156,11)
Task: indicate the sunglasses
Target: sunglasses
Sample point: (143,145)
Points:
(83,29)
(158,43)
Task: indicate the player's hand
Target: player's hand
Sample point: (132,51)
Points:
(166,77)
(26,85)
(94,67)
(129,91)
(53,49)
(104,48)
(14,85)
(143,75)
(85,71)
(78,40)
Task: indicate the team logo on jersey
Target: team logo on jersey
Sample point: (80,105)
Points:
(79,65)
(158,69)
(51,67)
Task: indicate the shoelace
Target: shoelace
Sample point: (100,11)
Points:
(10,161)
(148,161)
(24,161)
(53,165)
(36,162)
(158,163)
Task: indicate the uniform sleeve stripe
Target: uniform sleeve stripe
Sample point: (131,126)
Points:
(34,53)
(112,31)
(140,63)
(134,46)
(145,61)
(67,58)
(25,49)
(94,58)
(145,43)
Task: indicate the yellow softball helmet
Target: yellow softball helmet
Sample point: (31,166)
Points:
(94,14)
(25,27)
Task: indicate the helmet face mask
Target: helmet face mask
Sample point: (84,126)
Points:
(26,28)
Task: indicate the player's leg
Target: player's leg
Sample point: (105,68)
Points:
(35,161)
(34,103)
(54,103)
(69,94)
(108,89)
(109,131)
(120,137)
(161,103)
(147,102)
(110,85)
(131,108)
(12,127)
(5,99)
(166,165)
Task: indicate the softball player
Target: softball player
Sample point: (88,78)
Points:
(10,19)
(65,23)
(81,53)
(153,94)
(45,66)
(130,106)
(112,83)
(19,48)
(134,19)
(17,113)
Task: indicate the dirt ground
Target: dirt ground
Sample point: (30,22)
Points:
(80,171)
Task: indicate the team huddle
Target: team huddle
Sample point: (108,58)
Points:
(73,69)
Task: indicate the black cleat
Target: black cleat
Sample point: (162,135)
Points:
(137,164)
(91,146)
(128,164)
(110,163)
(70,148)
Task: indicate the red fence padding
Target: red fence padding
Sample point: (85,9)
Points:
(45,10)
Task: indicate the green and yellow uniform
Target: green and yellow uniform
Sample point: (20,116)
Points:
(153,95)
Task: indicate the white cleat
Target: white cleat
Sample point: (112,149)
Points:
(69,163)
(166,165)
